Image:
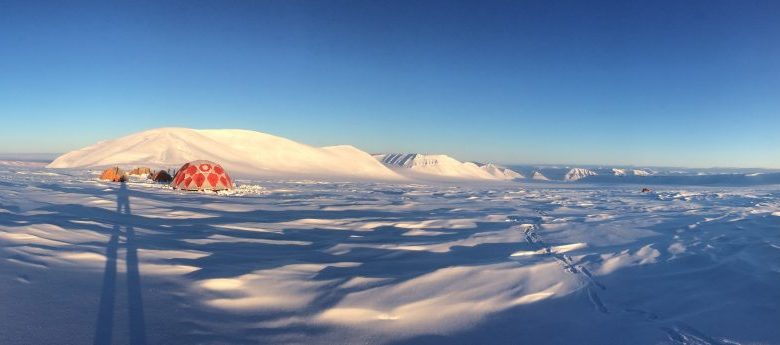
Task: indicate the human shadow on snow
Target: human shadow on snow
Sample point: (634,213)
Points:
(135,309)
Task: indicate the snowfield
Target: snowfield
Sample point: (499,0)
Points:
(311,262)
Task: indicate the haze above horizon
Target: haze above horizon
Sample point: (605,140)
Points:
(645,83)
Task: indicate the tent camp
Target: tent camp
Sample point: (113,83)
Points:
(202,175)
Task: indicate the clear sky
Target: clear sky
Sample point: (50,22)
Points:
(675,83)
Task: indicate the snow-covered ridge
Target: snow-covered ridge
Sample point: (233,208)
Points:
(442,166)
(571,174)
(630,172)
(578,173)
(255,154)
(537,175)
(502,173)
(242,152)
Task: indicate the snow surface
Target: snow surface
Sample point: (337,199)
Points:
(427,167)
(313,262)
(241,152)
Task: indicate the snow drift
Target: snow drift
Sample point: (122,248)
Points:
(442,166)
(242,152)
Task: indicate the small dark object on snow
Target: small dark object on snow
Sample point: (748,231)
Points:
(646,190)
(162,176)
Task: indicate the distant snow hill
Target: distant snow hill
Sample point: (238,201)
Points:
(241,152)
(423,166)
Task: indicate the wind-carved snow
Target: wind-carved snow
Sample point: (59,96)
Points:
(578,173)
(417,165)
(241,152)
(351,263)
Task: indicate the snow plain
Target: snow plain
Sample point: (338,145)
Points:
(308,262)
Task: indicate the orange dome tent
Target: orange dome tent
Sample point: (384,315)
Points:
(202,175)
(114,175)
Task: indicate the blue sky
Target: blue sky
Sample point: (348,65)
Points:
(680,83)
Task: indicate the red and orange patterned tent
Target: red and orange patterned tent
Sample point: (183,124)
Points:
(202,175)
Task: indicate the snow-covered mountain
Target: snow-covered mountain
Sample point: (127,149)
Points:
(241,152)
(500,172)
(425,166)
(537,175)
(578,173)
(630,172)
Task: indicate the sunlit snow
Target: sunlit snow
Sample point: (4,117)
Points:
(313,262)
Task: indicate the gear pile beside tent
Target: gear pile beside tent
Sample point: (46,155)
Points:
(202,175)
(116,174)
